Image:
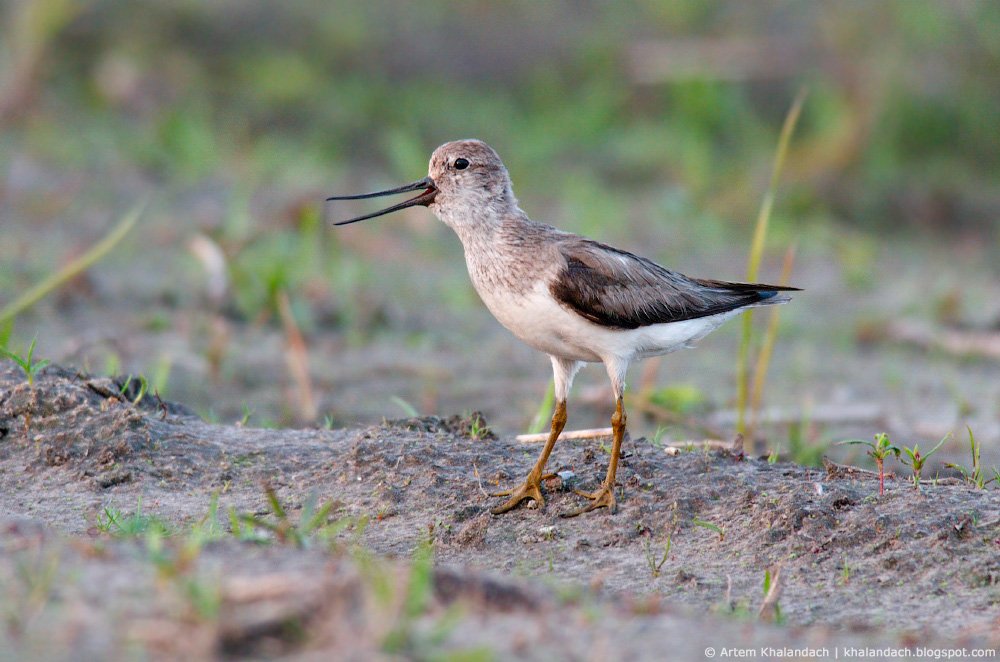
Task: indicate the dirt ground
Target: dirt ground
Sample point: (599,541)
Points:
(855,569)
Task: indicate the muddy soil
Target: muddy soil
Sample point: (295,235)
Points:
(907,568)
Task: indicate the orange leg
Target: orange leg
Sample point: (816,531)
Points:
(604,497)
(531,488)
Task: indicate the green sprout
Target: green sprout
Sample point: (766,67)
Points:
(916,459)
(28,365)
(880,449)
(656,565)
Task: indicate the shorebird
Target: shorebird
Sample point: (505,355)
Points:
(577,300)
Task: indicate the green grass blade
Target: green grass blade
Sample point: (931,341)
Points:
(74,268)
(710,526)
(767,348)
(407,408)
(756,252)
(541,416)
(275,503)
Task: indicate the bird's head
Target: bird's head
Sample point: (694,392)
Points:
(466,180)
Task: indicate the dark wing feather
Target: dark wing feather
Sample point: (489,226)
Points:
(617,289)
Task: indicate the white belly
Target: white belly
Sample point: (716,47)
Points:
(541,322)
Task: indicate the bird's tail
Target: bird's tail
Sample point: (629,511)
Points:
(771,297)
(759,294)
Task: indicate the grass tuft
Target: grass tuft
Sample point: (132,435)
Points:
(975,474)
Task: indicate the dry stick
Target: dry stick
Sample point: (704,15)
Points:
(767,349)
(74,268)
(835,470)
(595,433)
(757,249)
(590,433)
(479,480)
(297,359)
(678,447)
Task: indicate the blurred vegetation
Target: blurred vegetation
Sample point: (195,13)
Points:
(680,96)
(644,123)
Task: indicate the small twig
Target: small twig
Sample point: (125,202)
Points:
(834,470)
(479,480)
(161,405)
(986,525)
(703,443)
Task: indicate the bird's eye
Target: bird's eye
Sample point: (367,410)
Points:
(461,164)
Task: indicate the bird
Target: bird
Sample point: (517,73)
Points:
(575,299)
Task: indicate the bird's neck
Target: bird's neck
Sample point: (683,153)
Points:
(478,226)
(503,254)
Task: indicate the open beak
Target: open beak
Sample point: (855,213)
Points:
(425,198)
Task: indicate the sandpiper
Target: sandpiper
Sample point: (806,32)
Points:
(577,300)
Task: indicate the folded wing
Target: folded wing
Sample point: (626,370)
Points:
(617,289)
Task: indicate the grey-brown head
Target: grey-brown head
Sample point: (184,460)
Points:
(466,181)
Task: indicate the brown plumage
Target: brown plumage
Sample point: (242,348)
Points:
(619,290)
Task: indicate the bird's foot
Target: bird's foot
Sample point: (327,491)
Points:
(602,498)
(531,488)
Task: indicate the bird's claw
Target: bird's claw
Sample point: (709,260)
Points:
(529,489)
(602,498)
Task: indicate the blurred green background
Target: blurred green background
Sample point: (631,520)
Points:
(647,124)
(588,102)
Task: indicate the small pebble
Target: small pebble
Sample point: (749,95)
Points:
(567,479)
